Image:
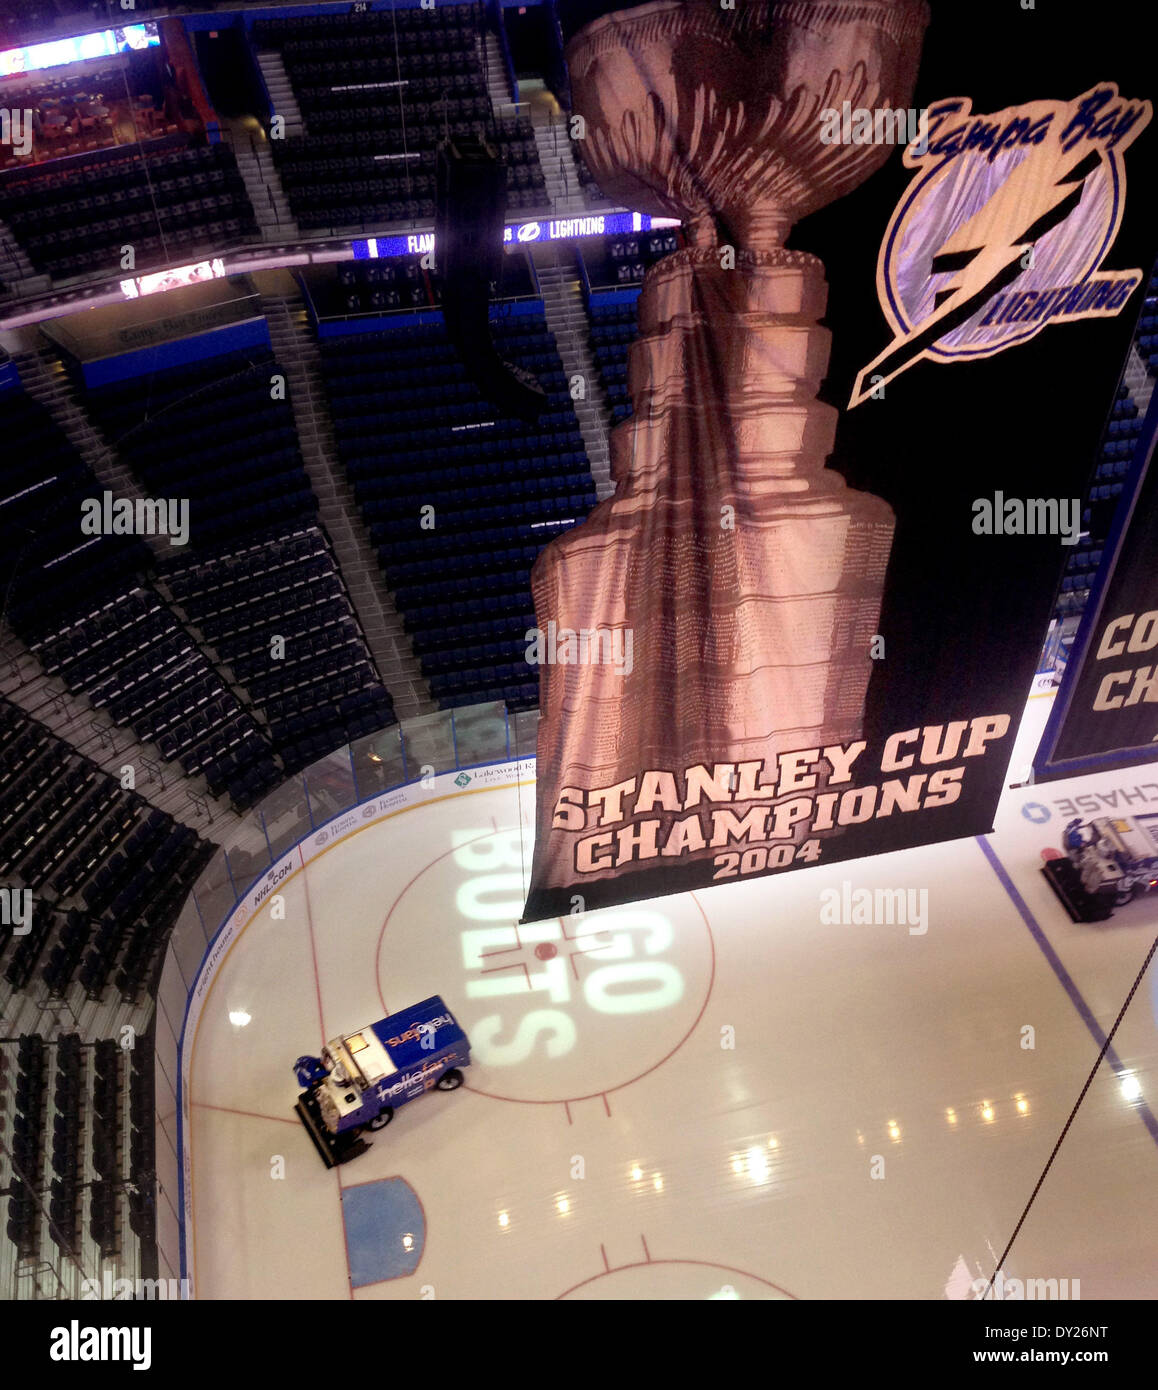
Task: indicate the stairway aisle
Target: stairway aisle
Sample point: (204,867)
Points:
(17,273)
(567,319)
(560,170)
(297,353)
(263,184)
(281,92)
(495,68)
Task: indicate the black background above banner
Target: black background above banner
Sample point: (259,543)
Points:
(964,616)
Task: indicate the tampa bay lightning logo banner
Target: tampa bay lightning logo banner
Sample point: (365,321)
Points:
(1005,228)
(805,625)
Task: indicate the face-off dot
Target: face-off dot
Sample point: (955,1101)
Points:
(552,1008)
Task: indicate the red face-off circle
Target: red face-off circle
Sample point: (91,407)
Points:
(559,1010)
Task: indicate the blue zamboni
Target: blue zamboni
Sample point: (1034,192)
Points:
(361,1078)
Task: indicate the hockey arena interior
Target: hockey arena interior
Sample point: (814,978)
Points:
(268,734)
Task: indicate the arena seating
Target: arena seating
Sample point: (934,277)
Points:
(64,1202)
(177,430)
(374,286)
(43,483)
(412,435)
(324,689)
(114,639)
(135,660)
(82,608)
(1113,466)
(20,18)
(592,194)
(1116,460)
(106,1130)
(377,91)
(105,868)
(66,1101)
(1148,327)
(166,198)
(613,328)
(27,1145)
(619,263)
(256,566)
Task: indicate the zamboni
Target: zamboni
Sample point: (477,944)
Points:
(361,1078)
(1107,863)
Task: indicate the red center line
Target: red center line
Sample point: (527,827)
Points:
(313,948)
(322,1025)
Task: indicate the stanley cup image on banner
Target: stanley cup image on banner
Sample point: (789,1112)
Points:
(707,637)
(748,575)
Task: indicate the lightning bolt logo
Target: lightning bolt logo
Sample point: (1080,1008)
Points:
(984,254)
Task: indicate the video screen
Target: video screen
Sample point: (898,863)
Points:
(173,279)
(57,53)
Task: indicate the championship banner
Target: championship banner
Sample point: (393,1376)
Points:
(1106,713)
(805,625)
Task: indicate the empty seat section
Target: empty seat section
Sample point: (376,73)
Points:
(278,614)
(103,868)
(168,199)
(377,91)
(459,497)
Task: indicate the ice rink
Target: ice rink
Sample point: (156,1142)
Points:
(711,1095)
